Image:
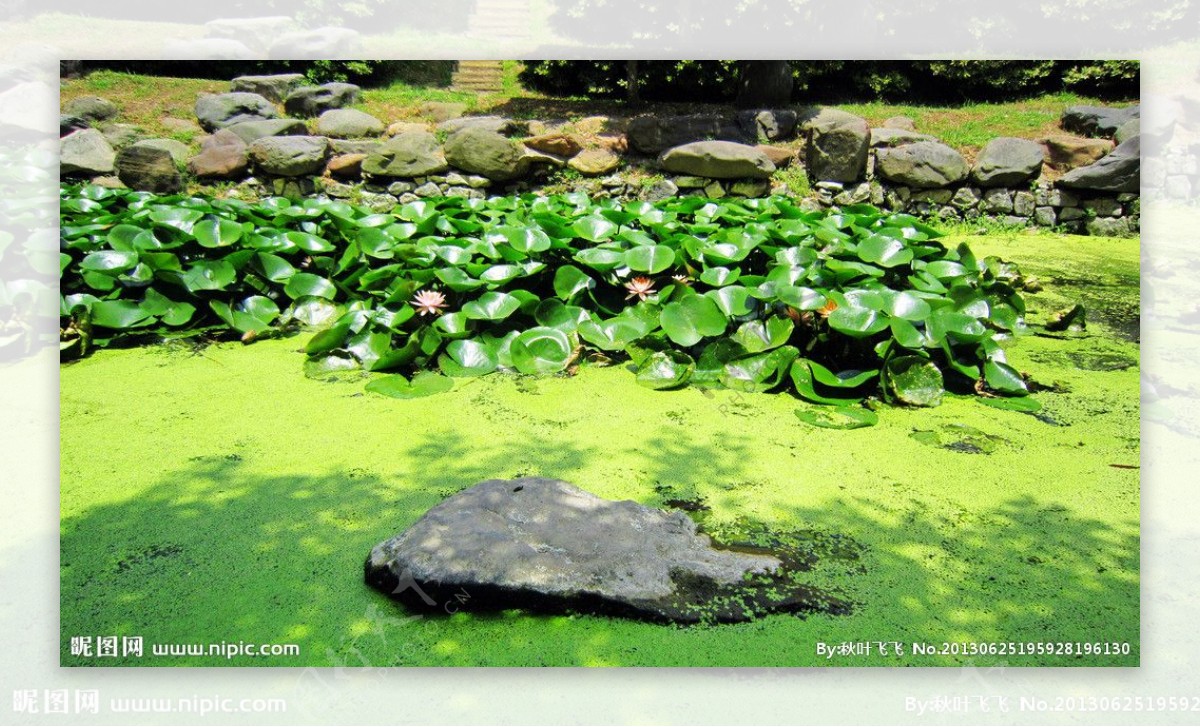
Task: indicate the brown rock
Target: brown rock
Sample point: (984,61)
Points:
(402,127)
(1064,153)
(222,156)
(563,145)
(594,125)
(616,143)
(780,156)
(594,162)
(346,166)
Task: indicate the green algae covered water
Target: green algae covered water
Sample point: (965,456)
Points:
(218,499)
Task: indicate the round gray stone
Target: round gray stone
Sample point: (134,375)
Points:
(1007,162)
(923,164)
(412,154)
(85,152)
(92,108)
(249,131)
(348,124)
(289,156)
(219,110)
(484,152)
(316,100)
(275,87)
(717,160)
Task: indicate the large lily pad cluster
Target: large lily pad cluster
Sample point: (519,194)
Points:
(749,295)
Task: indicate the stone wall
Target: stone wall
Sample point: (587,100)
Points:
(277,135)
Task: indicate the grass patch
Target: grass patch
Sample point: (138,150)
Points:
(970,126)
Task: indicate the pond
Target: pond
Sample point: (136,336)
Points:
(217,494)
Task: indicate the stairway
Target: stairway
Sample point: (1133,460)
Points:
(478,76)
(505,21)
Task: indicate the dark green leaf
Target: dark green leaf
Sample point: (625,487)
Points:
(302,284)
(915,380)
(666,370)
(541,350)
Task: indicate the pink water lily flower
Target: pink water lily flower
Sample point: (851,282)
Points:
(429,302)
(641,287)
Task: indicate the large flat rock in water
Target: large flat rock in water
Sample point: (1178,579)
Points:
(545,545)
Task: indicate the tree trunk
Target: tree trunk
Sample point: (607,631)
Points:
(764,84)
(631,83)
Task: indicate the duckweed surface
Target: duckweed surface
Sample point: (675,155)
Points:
(218,495)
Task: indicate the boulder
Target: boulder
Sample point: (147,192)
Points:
(769,124)
(494,124)
(249,131)
(717,160)
(85,152)
(256,33)
(69,124)
(1120,171)
(346,166)
(563,145)
(289,156)
(316,100)
(923,164)
(348,124)
(901,123)
(885,137)
(355,146)
(178,150)
(223,155)
(597,125)
(653,134)
(149,169)
(92,108)
(325,42)
(414,154)
(219,110)
(207,49)
(400,127)
(836,146)
(594,162)
(1007,162)
(487,153)
(1128,130)
(1097,120)
(121,135)
(275,87)
(440,111)
(1064,153)
(780,156)
(547,546)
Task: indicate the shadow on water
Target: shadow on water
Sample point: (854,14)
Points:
(218,551)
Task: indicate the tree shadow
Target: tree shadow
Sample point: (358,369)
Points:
(218,550)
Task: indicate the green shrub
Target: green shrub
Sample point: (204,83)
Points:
(1106,79)
(828,81)
(751,295)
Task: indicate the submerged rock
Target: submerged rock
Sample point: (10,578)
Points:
(545,545)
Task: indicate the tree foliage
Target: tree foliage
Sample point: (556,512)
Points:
(938,80)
